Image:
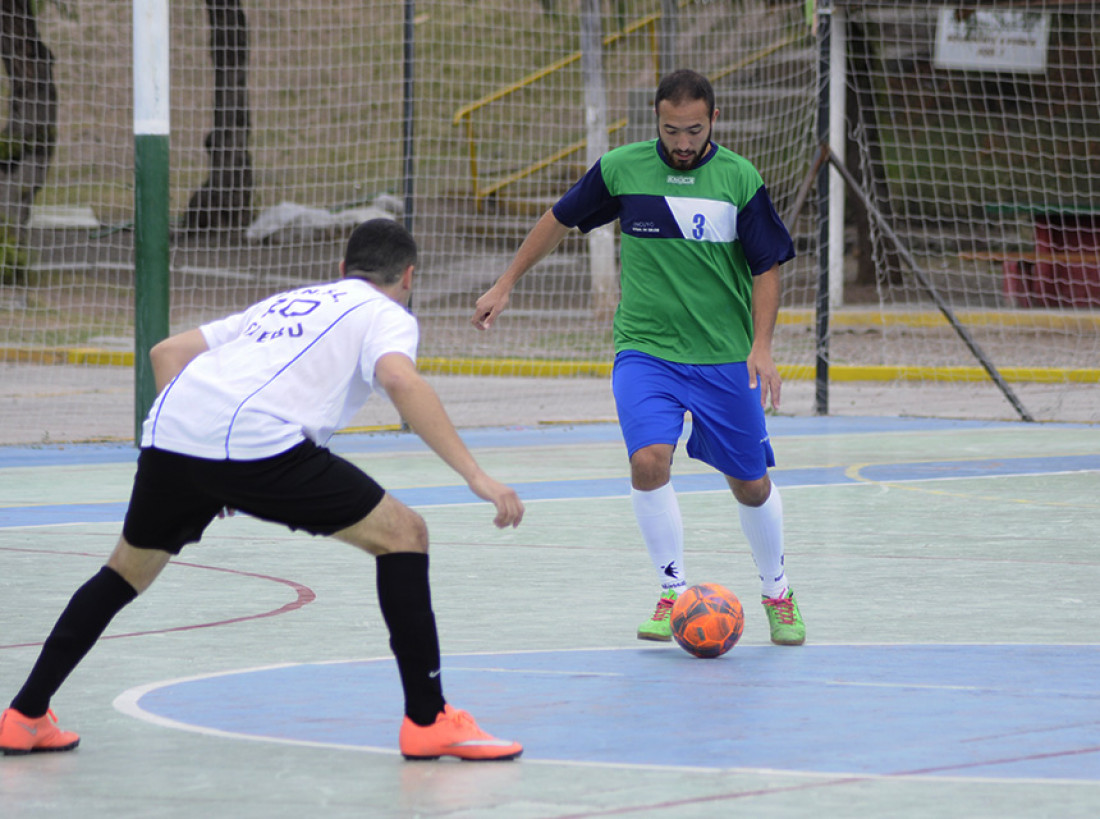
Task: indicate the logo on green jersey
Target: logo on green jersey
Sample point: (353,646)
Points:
(673,179)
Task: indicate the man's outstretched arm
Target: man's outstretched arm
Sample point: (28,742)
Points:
(424,413)
(543,238)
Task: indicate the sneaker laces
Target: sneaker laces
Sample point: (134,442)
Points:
(460,717)
(783,607)
(464,720)
(663,610)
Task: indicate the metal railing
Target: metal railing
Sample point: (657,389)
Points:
(467,112)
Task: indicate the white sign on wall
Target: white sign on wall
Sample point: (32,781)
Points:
(989,40)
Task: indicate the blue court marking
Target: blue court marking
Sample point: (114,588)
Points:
(991,711)
(61,513)
(66,454)
(114,512)
(522,436)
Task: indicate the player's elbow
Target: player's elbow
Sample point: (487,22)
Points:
(397,375)
(162,355)
(170,356)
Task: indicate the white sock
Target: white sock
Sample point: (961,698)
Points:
(763,528)
(658,514)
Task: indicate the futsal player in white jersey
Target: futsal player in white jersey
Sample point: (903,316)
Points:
(244,409)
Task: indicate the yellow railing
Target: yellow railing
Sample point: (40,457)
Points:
(466,113)
(757,56)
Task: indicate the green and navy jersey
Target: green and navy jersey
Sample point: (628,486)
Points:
(690,243)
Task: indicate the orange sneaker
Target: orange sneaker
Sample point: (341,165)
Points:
(454,733)
(21,734)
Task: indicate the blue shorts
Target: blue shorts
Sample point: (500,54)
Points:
(727,420)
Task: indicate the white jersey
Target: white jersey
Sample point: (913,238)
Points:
(298,365)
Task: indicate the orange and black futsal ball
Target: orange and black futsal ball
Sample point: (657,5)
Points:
(707,620)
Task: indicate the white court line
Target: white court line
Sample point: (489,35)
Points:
(929,686)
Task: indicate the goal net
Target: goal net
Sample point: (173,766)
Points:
(290,123)
(973,130)
(494,131)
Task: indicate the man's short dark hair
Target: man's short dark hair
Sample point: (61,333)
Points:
(379,250)
(684,86)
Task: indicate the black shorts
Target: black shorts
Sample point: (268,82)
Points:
(307,487)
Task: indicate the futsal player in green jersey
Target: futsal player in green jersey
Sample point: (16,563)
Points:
(700,250)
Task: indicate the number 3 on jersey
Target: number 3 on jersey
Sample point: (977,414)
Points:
(704,220)
(700,221)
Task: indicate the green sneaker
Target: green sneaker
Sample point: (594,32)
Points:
(785,620)
(659,626)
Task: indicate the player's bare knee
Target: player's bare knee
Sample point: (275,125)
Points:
(390,527)
(751,493)
(651,467)
(138,567)
(412,536)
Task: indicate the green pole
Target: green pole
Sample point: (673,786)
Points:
(151,130)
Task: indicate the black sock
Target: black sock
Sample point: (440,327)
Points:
(79,626)
(406,602)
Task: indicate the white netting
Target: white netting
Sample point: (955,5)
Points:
(318,121)
(977,132)
(499,129)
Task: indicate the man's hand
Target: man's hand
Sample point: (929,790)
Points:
(543,238)
(489,306)
(423,412)
(762,370)
(509,507)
